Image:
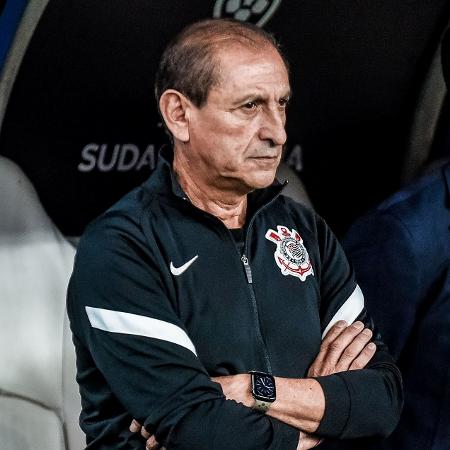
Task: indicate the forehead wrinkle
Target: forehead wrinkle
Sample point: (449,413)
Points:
(219,48)
(251,89)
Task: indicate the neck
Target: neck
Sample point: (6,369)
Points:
(229,207)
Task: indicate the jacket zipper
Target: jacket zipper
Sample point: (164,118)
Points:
(249,277)
(248,273)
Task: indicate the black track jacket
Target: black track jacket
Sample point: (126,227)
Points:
(160,299)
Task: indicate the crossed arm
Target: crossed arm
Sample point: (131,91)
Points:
(300,401)
(185,408)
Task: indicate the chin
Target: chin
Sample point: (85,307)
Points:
(262,181)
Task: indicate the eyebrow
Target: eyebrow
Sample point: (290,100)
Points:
(254,96)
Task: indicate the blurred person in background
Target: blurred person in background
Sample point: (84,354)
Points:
(401,254)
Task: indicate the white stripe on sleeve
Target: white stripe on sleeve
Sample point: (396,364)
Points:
(126,323)
(349,311)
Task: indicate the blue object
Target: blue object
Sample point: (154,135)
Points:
(401,255)
(9,21)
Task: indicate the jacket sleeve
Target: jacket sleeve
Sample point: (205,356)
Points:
(122,316)
(387,260)
(364,402)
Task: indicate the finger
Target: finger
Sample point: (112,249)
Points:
(308,441)
(364,357)
(151,443)
(135,426)
(353,350)
(337,347)
(331,335)
(334,331)
(144,433)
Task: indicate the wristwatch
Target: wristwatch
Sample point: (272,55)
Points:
(263,390)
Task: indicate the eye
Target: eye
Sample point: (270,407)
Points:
(250,106)
(283,102)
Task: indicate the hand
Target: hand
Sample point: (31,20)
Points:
(151,443)
(237,388)
(308,441)
(343,348)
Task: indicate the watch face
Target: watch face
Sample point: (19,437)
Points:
(264,387)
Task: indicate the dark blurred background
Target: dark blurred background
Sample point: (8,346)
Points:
(80,119)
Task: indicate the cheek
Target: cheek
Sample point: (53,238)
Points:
(225,143)
(242,140)
(237,150)
(232,146)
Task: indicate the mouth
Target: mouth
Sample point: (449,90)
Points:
(266,162)
(266,157)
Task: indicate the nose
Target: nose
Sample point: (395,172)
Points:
(272,126)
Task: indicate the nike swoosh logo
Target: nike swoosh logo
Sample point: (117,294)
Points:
(179,270)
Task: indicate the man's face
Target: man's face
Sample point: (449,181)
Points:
(236,138)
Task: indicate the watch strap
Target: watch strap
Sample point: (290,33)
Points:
(261,406)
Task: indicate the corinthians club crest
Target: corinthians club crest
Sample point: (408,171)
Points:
(291,255)
(255,11)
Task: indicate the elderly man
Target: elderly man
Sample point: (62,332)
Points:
(205,304)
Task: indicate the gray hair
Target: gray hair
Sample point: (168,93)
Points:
(189,63)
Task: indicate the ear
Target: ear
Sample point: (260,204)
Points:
(174,106)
